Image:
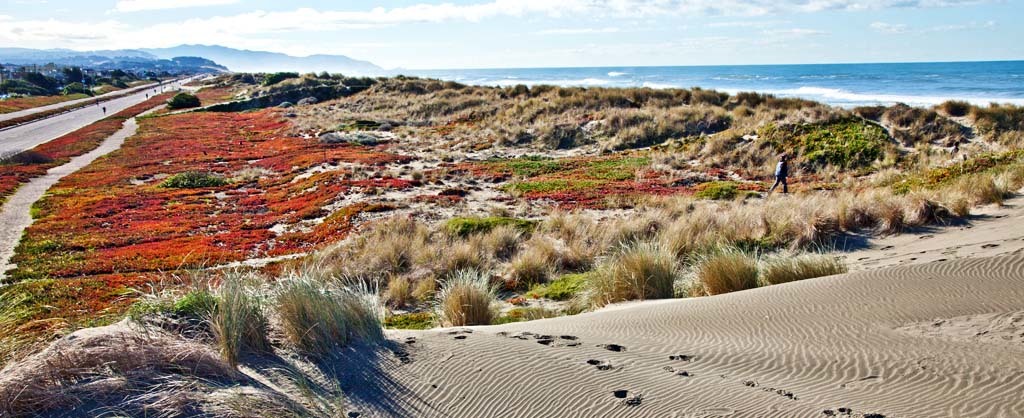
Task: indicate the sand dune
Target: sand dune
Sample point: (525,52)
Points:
(859,344)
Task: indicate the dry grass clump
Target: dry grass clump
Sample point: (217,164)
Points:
(639,270)
(534,264)
(503,241)
(460,255)
(465,299)
(151,373)
(318,317)
(725,270)
(980,189)
(784,269)
(238,322)
(399,291)
(425,289)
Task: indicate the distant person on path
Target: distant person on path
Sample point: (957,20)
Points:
(781,174)
(104,110)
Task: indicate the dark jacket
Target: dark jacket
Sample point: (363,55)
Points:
(782,169)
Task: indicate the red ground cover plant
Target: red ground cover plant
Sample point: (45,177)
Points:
(115,215)
(76,143)
(22,103)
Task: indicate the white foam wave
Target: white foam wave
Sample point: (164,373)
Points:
(572,82)
(843,97)
(658,85)
(616,74)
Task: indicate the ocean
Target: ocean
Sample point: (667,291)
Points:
(846,85)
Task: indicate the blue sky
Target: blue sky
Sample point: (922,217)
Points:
(427,34)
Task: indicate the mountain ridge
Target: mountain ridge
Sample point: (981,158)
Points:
(240,60)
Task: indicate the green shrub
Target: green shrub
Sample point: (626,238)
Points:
(717,190)
(274,78)
(845,144)
(183,101)
(412,320)
(194,180)
(472,225)
(563,288)
(76,88)
(520,314)
(196,304)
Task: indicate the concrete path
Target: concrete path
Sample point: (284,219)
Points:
(26,136)
(15,215)
(34,110)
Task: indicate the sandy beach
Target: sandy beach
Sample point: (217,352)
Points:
(941,339)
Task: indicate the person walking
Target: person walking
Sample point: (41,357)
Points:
(104,110)
(781,174)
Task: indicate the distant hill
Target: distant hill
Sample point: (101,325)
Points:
(260,61)
(220,58)
(127,59)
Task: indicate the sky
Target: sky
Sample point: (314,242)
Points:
(427,34)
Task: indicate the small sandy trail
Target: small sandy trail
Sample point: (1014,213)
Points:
(990,231)
(15,215)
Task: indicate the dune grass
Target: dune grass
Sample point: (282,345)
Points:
(785,269)
(639,270)
(725,270)
(465,298)
(239,324)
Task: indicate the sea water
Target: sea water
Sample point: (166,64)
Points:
(847,85)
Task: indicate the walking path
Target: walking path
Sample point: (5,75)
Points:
(15,215)
(87,100)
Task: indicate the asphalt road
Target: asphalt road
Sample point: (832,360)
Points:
(35,110)
(29,135)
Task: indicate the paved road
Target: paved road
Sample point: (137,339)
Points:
(29,135)
(35,110)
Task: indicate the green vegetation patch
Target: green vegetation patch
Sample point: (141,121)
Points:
(563,288)
(183,101)
(471,225)
(194,180)
(412,320)
(194,304)
(944,175)
(848,143)
(274,78)
(618,169)
(529,313)
(551,186)
(531,166)
(717,190)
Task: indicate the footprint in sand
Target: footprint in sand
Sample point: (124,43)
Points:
(862,382)
(986,246)
(887,247)
(460,337)
(600,365)
(612,347)
(682,357)
(627,399)
(926,237)
(682,373)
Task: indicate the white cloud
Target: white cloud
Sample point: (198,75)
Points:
(888,27)
(578,31)
(140,5)
(6,17)
(899,28)
(795,32)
